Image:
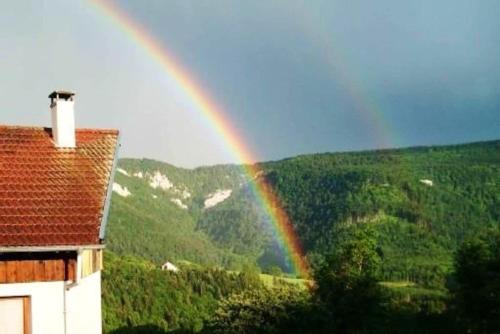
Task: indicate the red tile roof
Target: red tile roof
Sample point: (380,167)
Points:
(51,196)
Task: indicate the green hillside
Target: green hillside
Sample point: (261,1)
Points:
(421,202)
(138,297)
(149,224)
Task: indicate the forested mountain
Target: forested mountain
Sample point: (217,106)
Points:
(422,201)
(387,224)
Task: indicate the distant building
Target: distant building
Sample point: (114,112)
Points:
(427,182)
(169,267)
(55,187)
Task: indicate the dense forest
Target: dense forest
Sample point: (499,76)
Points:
(348,296)
(402,240)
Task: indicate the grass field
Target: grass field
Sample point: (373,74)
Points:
(397,284)
(273,281)
(410,288)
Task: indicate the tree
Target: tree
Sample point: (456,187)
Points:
(275,271)
(264,310)
(347,283)
(477,275)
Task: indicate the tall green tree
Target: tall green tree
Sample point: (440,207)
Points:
(347,283)
(477,274)
(267,310)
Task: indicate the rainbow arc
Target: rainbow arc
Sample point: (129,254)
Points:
(221,125)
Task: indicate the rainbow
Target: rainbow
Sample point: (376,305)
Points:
(313,24)
(220,122)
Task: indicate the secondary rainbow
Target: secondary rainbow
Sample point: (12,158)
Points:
(314,26)
(220,123)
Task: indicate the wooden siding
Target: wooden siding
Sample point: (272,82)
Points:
(37,267)
(91,261)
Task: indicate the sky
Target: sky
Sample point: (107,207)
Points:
(292,77)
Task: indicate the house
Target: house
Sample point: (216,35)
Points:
(55,189)
(168,266)
(427,182)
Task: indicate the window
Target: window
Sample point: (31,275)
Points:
(15,315)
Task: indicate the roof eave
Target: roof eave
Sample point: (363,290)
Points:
(109,192)
(55,248)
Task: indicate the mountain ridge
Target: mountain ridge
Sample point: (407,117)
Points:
(362,150)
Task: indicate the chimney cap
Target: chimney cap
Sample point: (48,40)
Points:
(61,94)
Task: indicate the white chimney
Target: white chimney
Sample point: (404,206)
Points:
(63,118)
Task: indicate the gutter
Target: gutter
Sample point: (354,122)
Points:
(78,274)
(109,192)
(69,285)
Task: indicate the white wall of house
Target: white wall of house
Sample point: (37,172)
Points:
(83,305)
